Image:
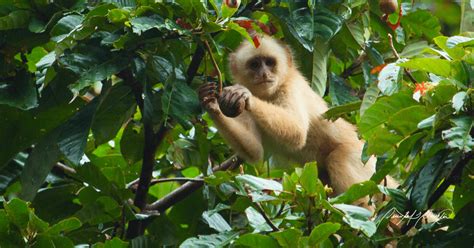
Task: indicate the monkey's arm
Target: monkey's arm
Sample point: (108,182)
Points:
(242,135)
(289,125)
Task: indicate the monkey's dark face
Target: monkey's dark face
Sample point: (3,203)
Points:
(262,69)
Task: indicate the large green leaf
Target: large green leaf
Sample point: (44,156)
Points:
(320,75)
(421,23)
(380,112)
(114,110)
(216,222)
(180,102)
(19,91)
(406,120)
(256,240)
(132,143)
(426,181)
(38,165)
(358,218)
(309,181)
(356,192)
(72,139)
(339,91)
(322,232)
(390,79)
(15,19)
(336,112)
(459,136)
(12,171)
(258,183)
(439,67)
(288,237)
(211,240)
(92,64)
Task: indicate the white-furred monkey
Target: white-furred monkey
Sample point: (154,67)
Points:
(283,116)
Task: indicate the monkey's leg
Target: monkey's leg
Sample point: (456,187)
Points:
(345,168)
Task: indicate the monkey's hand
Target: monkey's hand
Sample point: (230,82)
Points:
(208,97)
(233,100)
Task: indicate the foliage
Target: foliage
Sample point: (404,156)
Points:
(95,94)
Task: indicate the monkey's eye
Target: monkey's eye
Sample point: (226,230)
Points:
(254,64)
(270,62)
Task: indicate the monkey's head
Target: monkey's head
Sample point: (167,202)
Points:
(262,70)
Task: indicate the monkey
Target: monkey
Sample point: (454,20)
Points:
(281,115)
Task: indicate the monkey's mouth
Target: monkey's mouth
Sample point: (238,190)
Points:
(266,81)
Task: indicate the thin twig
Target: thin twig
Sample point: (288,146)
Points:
(65,168)
(265,216)
(213,60)
(353,67)
(133,185)
(394,51)
(189,187)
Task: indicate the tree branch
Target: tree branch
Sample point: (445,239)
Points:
(189,187)
(195,62)
(394,51)
(214,63)
(265,216)
(133,185)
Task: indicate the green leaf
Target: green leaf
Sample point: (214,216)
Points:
(216,221)
(256,220)
(340,92)
(144,23)
(309,179)
(459,136)
(319,73)
(356,192)
(459,41)
(64,225)
(258,183)
(406,120)
(370,96)
(38,165)
(382,140)
(116,107)
(18,212)
(288,237)
(358,218)
(15,19)
(454,52)
(118,15)
(439,67)
(19,91)
(338,111)
(390,79)
(414,49)
(11,172)
(380,112)
(426,181)
(211,240)
(181,102)
(322,232)
(256,240)
(73,137)
(421,23)
(92,64)
(66,25)
(464,192)
(132,143)
(459,100)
